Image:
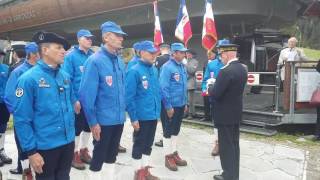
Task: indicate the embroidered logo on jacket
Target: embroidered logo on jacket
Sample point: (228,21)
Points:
(43,83)
(145,82)
(109,80)
(81,69)
(176,76)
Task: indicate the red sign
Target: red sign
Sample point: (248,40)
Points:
(250,78)
(253,79)
(199,76)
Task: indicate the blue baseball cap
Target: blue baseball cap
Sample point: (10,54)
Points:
(84,33)
(110,26)
(178,47)
(148,46)
(31,47)
(136,46)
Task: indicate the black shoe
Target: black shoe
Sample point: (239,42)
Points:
(316,138)
(15,171)
(159,143)
(122,149)
(218,177)
(4,158)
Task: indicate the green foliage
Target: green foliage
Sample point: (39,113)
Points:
(312,53)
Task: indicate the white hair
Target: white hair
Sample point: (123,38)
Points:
(292,39)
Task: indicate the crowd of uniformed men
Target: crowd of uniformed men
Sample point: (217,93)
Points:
(59,99)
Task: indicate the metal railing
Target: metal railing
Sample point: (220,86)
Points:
(276,86)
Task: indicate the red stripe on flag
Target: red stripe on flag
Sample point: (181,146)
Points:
(187,33)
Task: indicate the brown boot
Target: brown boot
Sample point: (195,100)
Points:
(170,162)
(178,160)
(76,162)
(85,156)
(215,150)
(148,175)
(140,174)
(27,174)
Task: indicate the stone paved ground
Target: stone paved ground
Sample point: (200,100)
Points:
(259,161)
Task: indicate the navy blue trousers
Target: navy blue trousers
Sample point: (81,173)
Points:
(81,123)
(143,139)
(172,126)
(4,118)
(57,163)
(106,150)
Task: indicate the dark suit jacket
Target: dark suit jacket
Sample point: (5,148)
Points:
(228,94)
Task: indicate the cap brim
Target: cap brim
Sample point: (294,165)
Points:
(152,50)
(33,52)
(63,42)
(182,50)
(89,36)
(120,32)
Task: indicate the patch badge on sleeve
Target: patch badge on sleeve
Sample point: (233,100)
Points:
(176,76)
(19,92)
(109,80)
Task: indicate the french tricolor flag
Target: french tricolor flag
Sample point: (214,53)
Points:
(209,32)
(183,27)
(158,38)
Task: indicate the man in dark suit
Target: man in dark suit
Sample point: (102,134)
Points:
(228,93)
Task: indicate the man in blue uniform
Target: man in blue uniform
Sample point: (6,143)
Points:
(73,65)
(173,84)
(143,104)
(5,115)
(32,52)
(227,92)
(102,96)
(44,114)
(136,57)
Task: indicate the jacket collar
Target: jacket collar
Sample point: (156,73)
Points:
(27,63)
(145,63)
(77,47)
(107,53)
(47,67)
(176,62)
(235,60)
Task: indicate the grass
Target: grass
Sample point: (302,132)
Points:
(286,139)
(312,53)
(279,138)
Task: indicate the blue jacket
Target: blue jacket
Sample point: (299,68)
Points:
(143,99)
(213,68)
(102,93)
(173,84)
(73,64)
(4,73)
(10,95)
(44,115)
(133,62)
